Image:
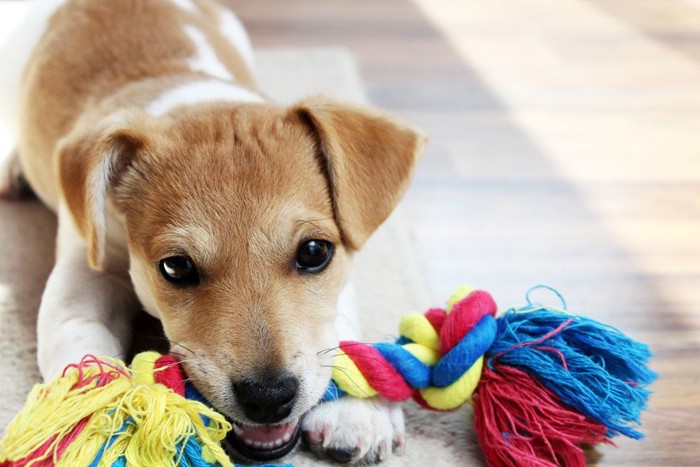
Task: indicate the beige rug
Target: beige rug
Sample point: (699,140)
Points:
(387,279)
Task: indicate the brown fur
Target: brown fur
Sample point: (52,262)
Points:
(94,49)
(236,188)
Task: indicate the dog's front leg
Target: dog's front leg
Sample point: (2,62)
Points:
(82,311)
(349,429)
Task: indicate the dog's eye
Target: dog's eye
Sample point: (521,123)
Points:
(314,255)
(179,270)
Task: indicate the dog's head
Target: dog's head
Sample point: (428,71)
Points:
(241,225)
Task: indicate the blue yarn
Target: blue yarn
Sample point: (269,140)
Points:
(107,444)
(402,340)
(191,454)
(607,374)
(545,287)
(415,372)
(462,356)
(333,392)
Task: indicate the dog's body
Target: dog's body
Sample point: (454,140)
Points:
(179,189)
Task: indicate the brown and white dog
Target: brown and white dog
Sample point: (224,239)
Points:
(180,189)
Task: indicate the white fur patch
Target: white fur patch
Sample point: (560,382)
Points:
(199,92)
(205,59)
(98,183)
(186,5)
(233,30)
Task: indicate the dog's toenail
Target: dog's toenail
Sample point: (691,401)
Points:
(399,445)
(313,437)
(342,455)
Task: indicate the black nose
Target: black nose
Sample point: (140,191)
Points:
(268,398)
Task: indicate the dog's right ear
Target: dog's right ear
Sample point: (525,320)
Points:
(91,161)
(368,158)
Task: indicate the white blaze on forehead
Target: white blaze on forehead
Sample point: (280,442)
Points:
(200,92)
(233,30)
(185,5)
(205,59)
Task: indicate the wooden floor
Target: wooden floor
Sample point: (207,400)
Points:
(565,150)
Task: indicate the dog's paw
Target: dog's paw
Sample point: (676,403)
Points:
(353,430)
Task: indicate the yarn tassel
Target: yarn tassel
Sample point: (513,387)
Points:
(100,413)
(590,366)
(554,381)
(520,423)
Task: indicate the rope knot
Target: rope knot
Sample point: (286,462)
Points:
(466,331)
(437,360)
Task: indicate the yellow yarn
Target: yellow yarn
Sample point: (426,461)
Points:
(142,367)
(350,378)
(425,354)
(457,393)
(160,420)
(416,327)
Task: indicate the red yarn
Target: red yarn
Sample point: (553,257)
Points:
(384,377)
(436,317)
(108,372)
(169,373)
(519,422)
(464,315)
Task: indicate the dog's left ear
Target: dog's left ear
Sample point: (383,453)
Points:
(369,159)
(91,161)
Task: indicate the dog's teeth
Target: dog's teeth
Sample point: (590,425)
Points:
(278,442)
(248,441)
(257,444)
(287,437)
(237,430)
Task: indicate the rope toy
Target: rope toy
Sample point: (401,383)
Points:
(542,381)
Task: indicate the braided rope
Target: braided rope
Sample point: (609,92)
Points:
(437,360)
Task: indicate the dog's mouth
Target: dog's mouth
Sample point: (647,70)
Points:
(264,442)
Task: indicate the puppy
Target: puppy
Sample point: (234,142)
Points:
(180,189)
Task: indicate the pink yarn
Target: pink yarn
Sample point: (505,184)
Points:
(168,372)
(464,315)
(384,377)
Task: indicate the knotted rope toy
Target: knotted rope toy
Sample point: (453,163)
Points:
(542,381)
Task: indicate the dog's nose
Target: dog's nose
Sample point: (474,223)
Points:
(267,399)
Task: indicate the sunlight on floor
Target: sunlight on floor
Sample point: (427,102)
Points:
(610,110)
(601,99)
